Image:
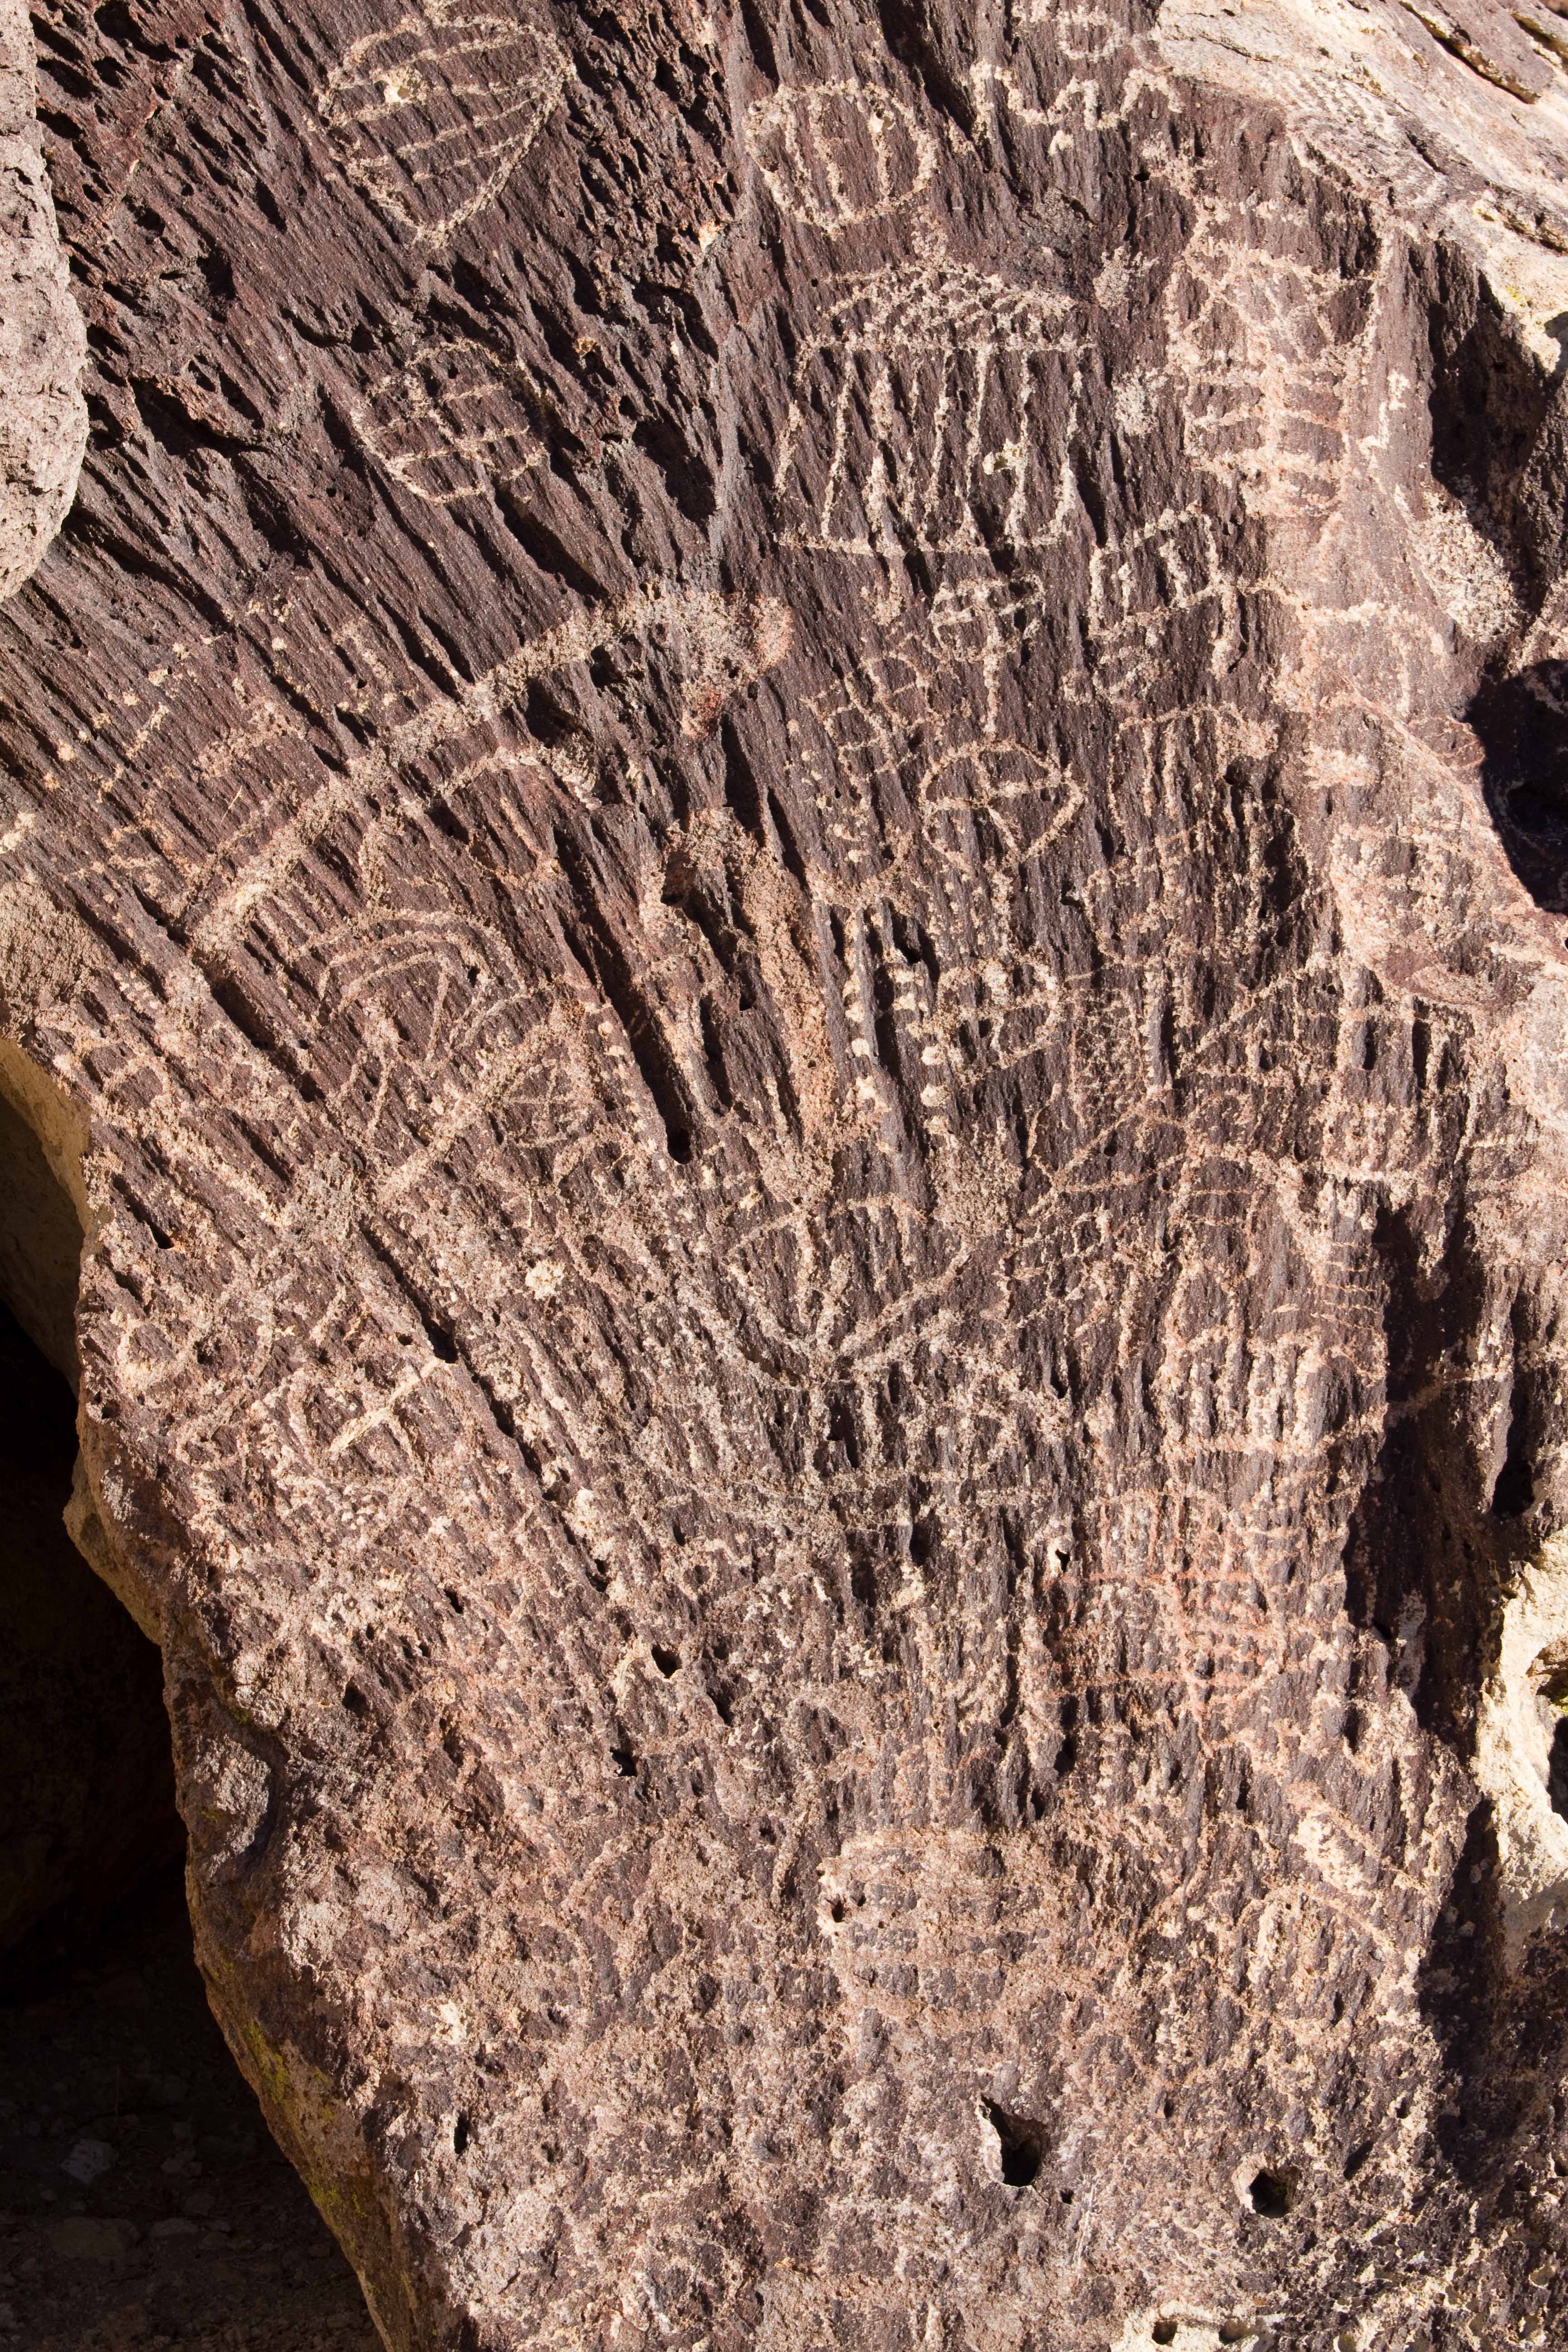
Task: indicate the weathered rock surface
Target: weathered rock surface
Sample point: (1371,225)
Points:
(42,418)
(790,811)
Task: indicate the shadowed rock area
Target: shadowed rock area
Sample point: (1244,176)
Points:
(142,2206)
(86,1800)
(781,877)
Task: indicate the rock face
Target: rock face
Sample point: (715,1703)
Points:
(787,825)
(42,418)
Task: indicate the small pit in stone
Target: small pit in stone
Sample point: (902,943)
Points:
(1272,2194)
(1022,2146)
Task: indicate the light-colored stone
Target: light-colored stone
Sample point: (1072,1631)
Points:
(42,416)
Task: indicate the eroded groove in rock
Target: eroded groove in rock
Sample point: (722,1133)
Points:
(799,771)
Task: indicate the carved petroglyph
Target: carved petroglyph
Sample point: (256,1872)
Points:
(1388,93)
(913,781)
(933,408)
(714,637)
(1069,75)
(983,623)
(420,1014)
(910,1923)
(833,154)
(1161,598)
(422,1019)
(432,118)
(447,424)
(1261,340)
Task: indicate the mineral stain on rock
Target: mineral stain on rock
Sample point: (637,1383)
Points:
(782,841)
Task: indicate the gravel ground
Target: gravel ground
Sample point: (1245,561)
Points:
(141,2202)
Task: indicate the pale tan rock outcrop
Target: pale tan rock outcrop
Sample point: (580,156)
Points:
(792,815)
(42,418)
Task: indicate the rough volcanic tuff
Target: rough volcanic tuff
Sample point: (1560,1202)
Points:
(43,418)
(789,812)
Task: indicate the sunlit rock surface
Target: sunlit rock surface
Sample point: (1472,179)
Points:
(43,418)
(789,812)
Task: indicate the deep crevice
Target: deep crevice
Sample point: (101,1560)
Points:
(603,958)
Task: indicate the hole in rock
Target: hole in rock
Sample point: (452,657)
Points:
(1513,1492)
(1021,2144)
(135,2167)
(1523,726)
(86,1796)
(666,1661)
(1272,2194)
(1163,2331)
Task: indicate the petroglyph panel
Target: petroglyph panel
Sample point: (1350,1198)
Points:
(827,1179)
(1262,340)
(432,117)
(838,153)
(1162,606)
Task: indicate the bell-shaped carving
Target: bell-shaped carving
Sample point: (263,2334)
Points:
(432,118)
